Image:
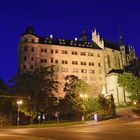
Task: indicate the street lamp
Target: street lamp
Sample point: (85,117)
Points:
(19,102)
(83,96)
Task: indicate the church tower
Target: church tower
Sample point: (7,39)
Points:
(122,50)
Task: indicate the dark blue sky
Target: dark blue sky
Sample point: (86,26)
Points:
(66,19)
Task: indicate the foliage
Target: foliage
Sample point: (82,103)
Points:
(39,85)
(72,104)
(131,84)
(6,107)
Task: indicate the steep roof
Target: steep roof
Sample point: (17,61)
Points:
(111,45)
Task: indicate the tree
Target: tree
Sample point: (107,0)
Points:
(72,104)
(39,85)
(6,108)
(131,83)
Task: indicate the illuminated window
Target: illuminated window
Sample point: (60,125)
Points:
(64,69)
(74,70)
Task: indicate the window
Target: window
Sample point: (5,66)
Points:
(45,50)
(51,50)
(64,62)
(43,60)
(98,55)
(91,63)
(108,61)
(56,61)
(64,69)
(51,60)
(25,48)
(74,63)
(56,51)
(25,58)
(83,71)
(74,53)
(83,63)
(90,54)
(64,52)
(32,49)
(91,71)
(84,78)
(91,78)
(83,53)
(32,59)
(42,50)
(74,70)
(99,64)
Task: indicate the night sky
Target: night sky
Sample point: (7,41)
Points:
(65,19)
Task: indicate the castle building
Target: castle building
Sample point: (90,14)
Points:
(91,61)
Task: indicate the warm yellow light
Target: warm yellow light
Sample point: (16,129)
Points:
(83,95)
(19,102)
(135,102)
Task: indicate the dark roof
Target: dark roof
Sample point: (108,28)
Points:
(79,42)
(111,45)
(73,43)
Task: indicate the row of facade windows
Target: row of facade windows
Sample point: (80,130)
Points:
(74,70)
(44,50)
(63,62)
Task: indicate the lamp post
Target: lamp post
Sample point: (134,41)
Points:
(83,96)
(19,102)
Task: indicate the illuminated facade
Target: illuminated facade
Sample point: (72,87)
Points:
(89,60)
